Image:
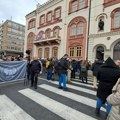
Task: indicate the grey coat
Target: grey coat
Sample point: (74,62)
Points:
(114,99)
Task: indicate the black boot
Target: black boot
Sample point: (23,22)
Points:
(97,111)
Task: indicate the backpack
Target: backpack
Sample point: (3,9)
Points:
(47,64)
(83,68)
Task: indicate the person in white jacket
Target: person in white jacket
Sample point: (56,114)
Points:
(114,100)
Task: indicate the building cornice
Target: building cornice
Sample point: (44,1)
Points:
(43,7)
(107,34)
(30,15)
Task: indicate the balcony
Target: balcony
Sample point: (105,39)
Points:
(55,40)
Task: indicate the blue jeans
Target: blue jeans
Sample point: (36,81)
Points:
(100,103)
(62,79)
(49,74)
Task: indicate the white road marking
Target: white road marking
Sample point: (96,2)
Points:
(78,98)
(58,108)
(78,88)
(11,111)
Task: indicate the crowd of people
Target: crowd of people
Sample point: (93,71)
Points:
(106,80)
(11,58)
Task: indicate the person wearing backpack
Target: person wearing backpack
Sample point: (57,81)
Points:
(63,72)
(84,70)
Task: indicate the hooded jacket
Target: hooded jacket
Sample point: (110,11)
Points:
(107,75)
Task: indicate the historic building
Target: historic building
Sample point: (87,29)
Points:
(104,39)
(12,38)
(58,27)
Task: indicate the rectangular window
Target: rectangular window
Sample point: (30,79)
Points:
(49,17)
(72,51)
(74,6)
(42,19)
(79,51)
(57,13)
(81,4)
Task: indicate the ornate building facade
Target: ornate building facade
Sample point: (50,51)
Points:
(61,26)
(58,27)
(104,39)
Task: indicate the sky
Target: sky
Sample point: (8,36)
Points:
(17,9)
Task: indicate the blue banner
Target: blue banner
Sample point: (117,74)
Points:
(12,70)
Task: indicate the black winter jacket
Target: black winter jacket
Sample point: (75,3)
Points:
(95,66)
(35,66)
(107,75)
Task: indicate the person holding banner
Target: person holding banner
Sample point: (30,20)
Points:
(35,70)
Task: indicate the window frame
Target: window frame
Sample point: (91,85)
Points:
(47,16)
(82,28)
(58,8)
(113,28)
(42,16)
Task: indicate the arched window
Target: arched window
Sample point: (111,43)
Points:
(47,52)
(40,35)
(73,30)
(117,19)
(55,52)
(40,52)
(116,51)
(56,32)
(48,33)
(80,28)
(30,38)
(31,23)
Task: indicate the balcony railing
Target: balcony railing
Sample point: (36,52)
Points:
(48,41)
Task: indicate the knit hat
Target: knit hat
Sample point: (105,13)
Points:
(65,55)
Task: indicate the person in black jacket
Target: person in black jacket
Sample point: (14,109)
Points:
(63,71)
(95,67)
(107,75)
(35,70)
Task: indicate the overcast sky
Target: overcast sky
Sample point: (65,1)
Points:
(17,9)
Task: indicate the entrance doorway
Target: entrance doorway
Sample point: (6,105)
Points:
(100,53)
(116,51)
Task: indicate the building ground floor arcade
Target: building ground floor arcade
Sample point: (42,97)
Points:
(104,46)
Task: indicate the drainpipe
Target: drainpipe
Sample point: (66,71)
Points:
(88,29)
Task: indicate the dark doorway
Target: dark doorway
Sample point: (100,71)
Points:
(116,51)
(100,53)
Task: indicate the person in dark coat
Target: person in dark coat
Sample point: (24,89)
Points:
(63,72)
(84,70)
(95,67)
(74,68)
(35,70)
(107,75)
